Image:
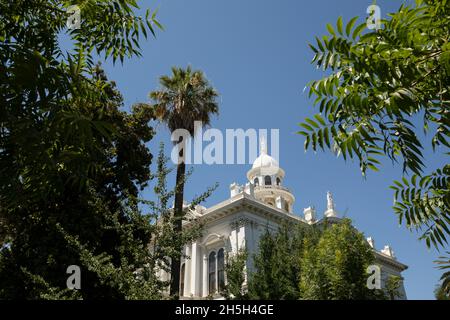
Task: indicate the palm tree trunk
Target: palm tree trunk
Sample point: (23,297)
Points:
(178,215)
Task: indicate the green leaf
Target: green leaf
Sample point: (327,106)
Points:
(330,29)
(358,30)
(312,123)
(413,179)
(405,181)
(319,118)
(306,126)
(327,137)
(313,48)
(350,25)
(303,133)
(339,25)
(307,141)
(319,44)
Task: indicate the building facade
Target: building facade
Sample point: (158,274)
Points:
(238,222)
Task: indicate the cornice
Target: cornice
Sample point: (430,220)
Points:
(390,261)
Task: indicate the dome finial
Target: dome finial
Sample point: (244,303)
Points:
(331,207)
(330,201)
(263,145)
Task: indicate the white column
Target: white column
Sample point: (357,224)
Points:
(194,270)
(242,245)
(205,275)
(241,237)
(233,240)
(251,243)
(187,272)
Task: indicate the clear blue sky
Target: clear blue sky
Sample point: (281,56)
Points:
(255,54)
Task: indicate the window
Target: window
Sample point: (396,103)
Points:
(183,271)
(286,206)
(221,270)
(256,182)
(216,271)
(267,180)
(212,272)
(278,181)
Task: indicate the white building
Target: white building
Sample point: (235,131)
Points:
(240,220)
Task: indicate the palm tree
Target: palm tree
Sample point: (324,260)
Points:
(184,97)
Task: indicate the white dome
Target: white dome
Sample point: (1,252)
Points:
(264,165)
(265,161)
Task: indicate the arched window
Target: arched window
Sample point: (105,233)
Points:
(278,181)
(286,206)
(256,182)
(183,271)
(221,270)
(212,272)
(267,180)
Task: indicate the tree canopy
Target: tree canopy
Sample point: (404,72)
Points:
(72,163)
(383,87)
(327,262)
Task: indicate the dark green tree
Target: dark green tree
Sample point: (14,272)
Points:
(277,265)
(184,97)
(71,161)
(444,264)
(261,280)
(235,268)
(115,167)
(384,86)
(147,244)
(324,262)
(440,294)
(392,287)
(335,268)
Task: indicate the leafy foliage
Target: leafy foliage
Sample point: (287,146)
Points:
(184,97)
(424,202)
(276,265)
(71,162)
(393,287)
(235,272)
(116,167)
(440,294)
(335,268)
(444,264)
(313,263)
(382,87)
(136,274)
(57,109)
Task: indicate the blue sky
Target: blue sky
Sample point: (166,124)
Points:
(255,54)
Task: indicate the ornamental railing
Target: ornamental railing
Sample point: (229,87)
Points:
(272,187)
